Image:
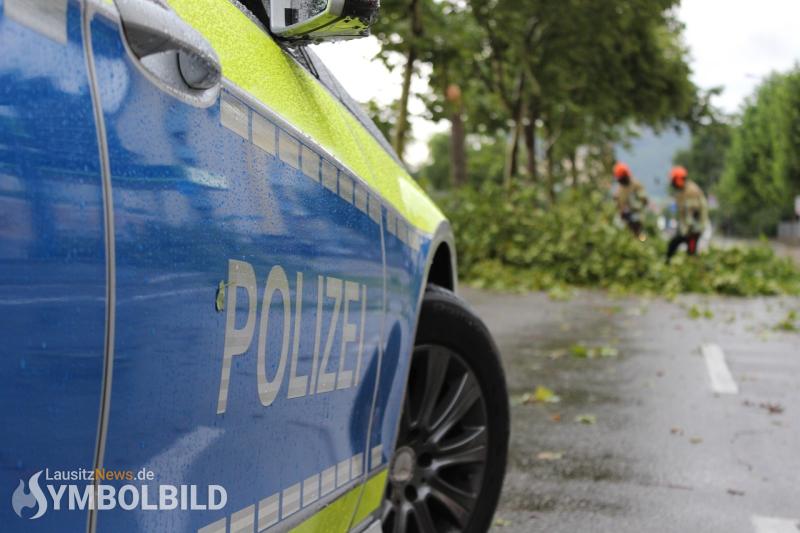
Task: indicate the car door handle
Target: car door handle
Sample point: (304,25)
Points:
(152,29)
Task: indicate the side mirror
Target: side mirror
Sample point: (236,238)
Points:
(322,20)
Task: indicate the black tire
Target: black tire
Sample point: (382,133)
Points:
(448,468)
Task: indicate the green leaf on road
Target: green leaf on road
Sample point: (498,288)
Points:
(539,395)
(608,351)
(581,351)
(545,395)
(586,419)
(789,324)
(695,313)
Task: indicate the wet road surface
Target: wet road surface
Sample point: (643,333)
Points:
(639,440)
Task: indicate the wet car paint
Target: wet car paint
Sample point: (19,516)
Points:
(189,196)
(52,261)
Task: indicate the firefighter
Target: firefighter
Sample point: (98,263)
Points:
(692,212)
(631,199)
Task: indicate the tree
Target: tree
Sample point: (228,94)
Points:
(705,158)
(551,77)
(382,117)
(401,29)
(570,77)
(486,156)
(762,167)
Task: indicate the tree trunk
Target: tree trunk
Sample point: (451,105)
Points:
(573,163)
(551,164)
(512,159)
(549,154)
(402,128)
(512,156)
(458,150)
(458,136)
(530,142)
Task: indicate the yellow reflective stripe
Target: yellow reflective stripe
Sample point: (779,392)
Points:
(336,516)
(372,497)
(254,62)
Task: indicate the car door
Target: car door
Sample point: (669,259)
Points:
(249,281)
(52,261)
(412,229)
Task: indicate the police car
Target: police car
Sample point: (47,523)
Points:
(224,304)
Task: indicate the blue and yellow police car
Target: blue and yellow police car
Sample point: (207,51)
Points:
(225,306)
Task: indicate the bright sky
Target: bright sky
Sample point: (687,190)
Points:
(733,43)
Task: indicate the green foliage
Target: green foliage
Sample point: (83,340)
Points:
(581,351)
(762,174)
(382,117)
(485,156)
(696,312)
(789,323)
(556,77)
(705,158)
(516,239)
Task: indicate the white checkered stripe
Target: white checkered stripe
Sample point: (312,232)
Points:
(267,514)
(252,126)
(376,457)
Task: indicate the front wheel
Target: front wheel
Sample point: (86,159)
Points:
(447,471)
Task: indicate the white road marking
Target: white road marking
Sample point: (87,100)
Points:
(766,524)
(721,379)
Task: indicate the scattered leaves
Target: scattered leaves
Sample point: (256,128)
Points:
(518,239)
(586,419)
(695,313)
(695,440)
(772,408)
(790,323)
(502,522)
(539,395)
(582,351)
(608,351)
(549,456)
(545,395)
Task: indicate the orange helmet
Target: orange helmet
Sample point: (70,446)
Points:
(678,176)
(621,170)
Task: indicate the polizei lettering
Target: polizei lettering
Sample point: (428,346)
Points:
(346,303)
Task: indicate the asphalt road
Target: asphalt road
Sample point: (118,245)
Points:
(658,450)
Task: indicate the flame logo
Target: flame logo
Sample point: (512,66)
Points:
(23,499)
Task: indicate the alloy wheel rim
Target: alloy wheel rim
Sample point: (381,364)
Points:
(438,468)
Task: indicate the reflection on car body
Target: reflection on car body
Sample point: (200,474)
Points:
(212,267)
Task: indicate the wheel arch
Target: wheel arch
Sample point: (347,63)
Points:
(441,268)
